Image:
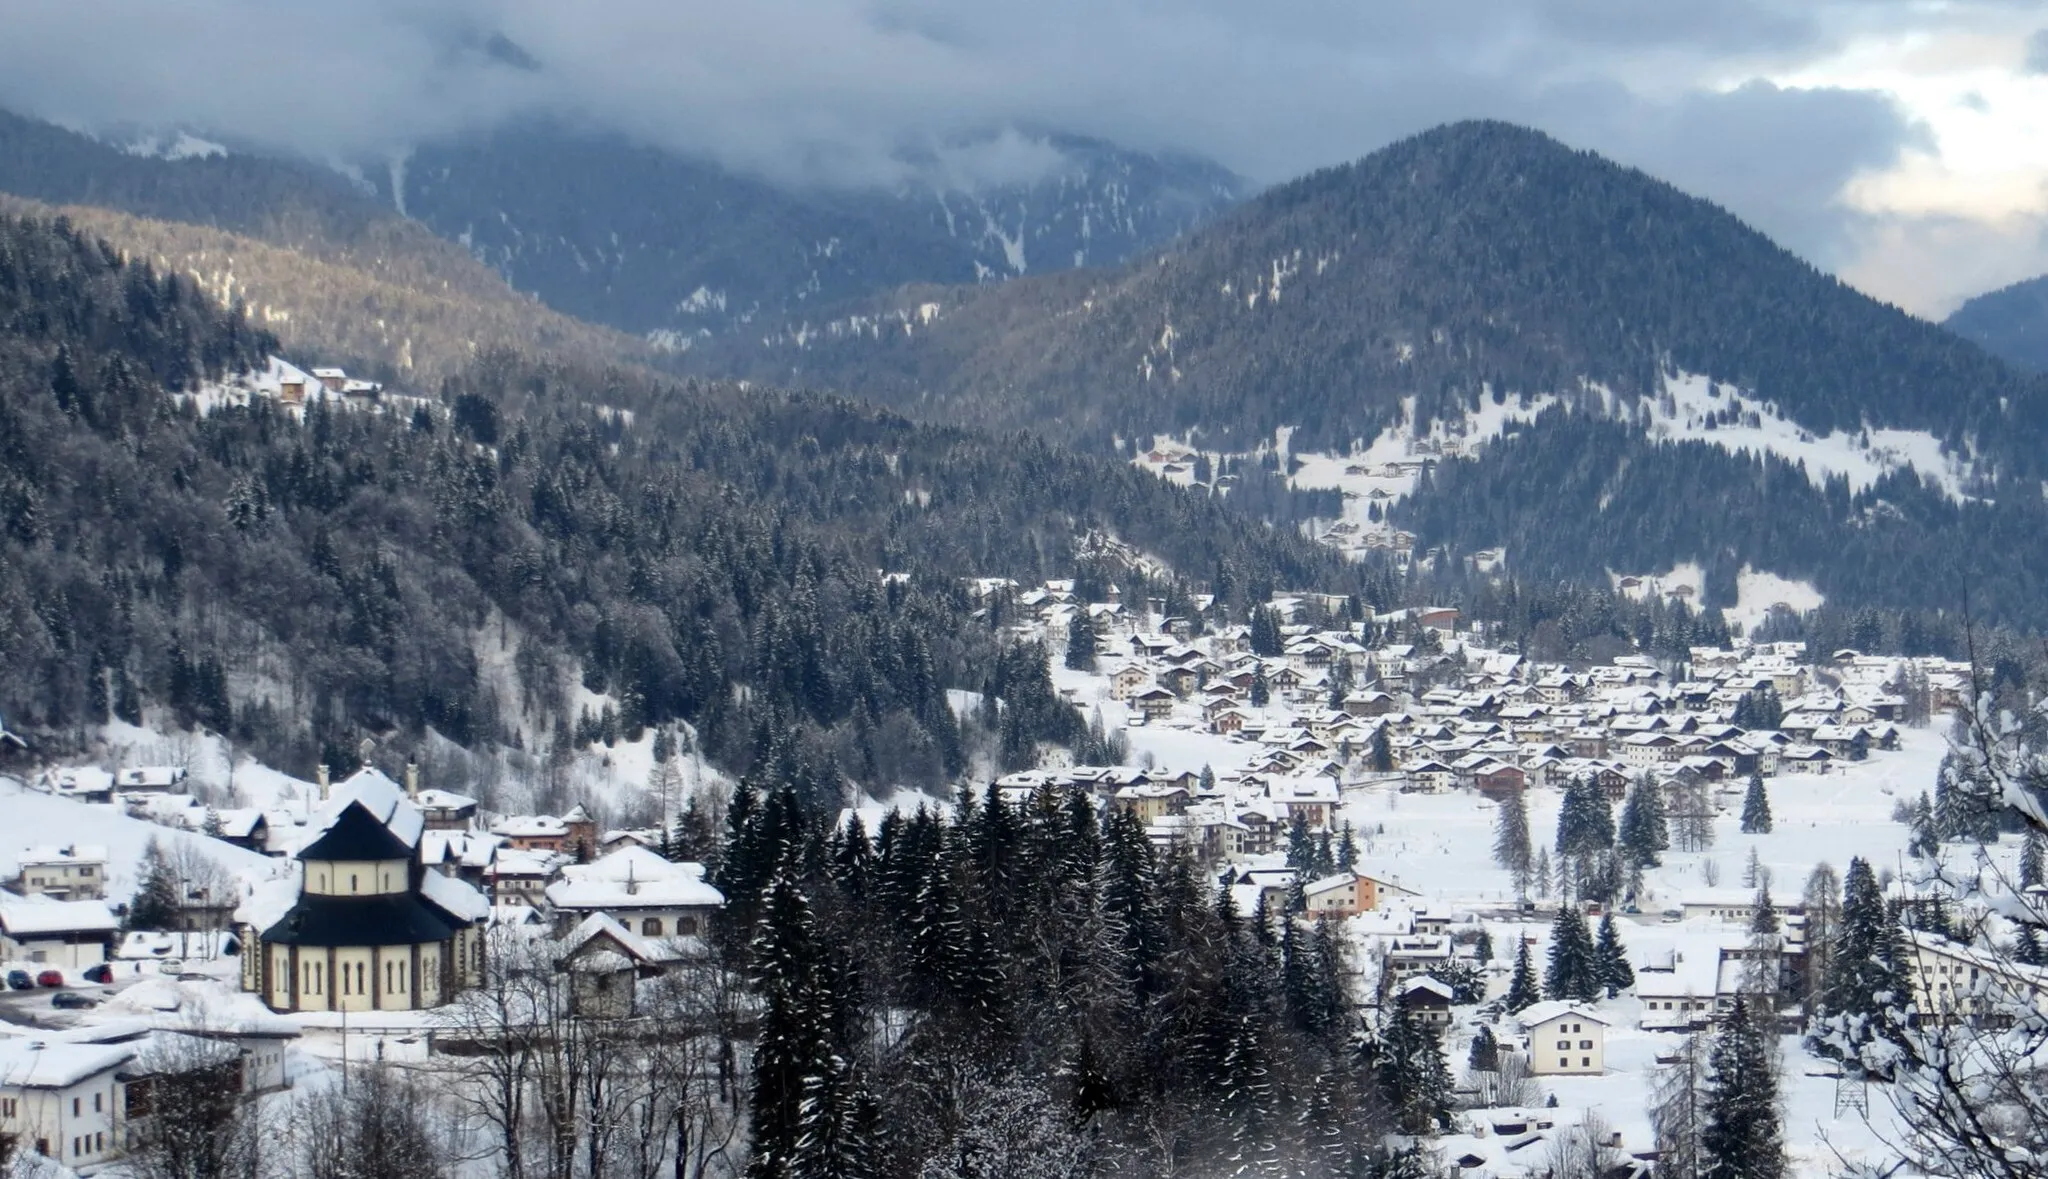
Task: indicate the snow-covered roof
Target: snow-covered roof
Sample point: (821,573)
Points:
(633,878)
(455,897)
(383,798)
(39,915)
(444,800)
(1542,1013)
(49,1064)
(76,853)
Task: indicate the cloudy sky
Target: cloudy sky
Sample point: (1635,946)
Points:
(1901,143)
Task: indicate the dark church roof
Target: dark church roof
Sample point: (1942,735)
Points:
(356,834)
(391,919)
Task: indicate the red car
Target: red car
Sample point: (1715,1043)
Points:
(50,978)
(102,974)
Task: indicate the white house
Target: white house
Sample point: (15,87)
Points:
(74,872)
(648,895)
(71,935)
(64,1101)
(1565,1039)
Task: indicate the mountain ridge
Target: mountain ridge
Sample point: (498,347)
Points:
(2011,323)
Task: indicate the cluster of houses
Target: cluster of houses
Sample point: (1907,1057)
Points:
(393,887)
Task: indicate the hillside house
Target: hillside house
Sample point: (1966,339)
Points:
(650,896)
(1565,1039)
(605,963)
(70,935)
(73,872)
(1348,894)
(1426,1000)
(1154,704)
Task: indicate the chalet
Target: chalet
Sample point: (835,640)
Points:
(1154,703)
(362,925)
(73,872)
(1426,1001)
(71,935)
(445,810)
(1178,680)
(520,876)
(1227,722)
(1430,775)
(82,784)
(149,779)
(1565,1039)
(1150,803)
(647,894)
(333,380)
(1127,681)
(1953,981)
(1348,894)
(65,1101)
(1413,955)
(1313,801)
(1498,780)
(605,962)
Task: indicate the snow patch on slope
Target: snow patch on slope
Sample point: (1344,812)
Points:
(1694,408)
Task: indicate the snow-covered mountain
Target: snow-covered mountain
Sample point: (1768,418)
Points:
(652,241)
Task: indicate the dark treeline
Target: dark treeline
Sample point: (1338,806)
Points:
(1031,991)
(1474,259)
(698,552)
(1572,496)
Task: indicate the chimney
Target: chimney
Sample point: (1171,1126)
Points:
(412,780)
(320,776)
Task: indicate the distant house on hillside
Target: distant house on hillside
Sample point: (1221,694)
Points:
(1565,1039)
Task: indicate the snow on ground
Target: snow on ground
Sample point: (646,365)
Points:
(1863,457)
(34,819)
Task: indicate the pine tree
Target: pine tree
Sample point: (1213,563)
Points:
(1760,968)
(1540,872)
(1743,1137)
(1262,691)
(156,899)
(1080,641)
(1485,1054)
(1347,849)
(1522,990)
(1641,833)
(1585,825)
(1865,974)
(2029,951)
(2030,859)
(1610,959)
(1572,972)
(789,1040)
(1382,751)
(1266,639)
(1301,852)
(1413,1076)
(1511,839)
(1756,808)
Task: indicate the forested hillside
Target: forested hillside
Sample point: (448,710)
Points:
(2011,323)
(300,584)
(1574,496)
(315,261)
(1474,258)
(645,240)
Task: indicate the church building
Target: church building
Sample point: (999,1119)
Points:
(361,924)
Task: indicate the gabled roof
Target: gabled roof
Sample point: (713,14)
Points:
(1540,1013)
(356,834)
(388,919)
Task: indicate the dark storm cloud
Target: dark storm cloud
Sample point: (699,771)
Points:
(846,90)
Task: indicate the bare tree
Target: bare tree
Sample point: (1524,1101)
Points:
(1967,1078)
(1678,1111)
(188,1109)
(380,1124)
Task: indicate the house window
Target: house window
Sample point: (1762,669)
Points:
(75,1107)
(352,882)
(686,926)
(1585,1062)
(1585,1044)
(1564,1062)
(651,927)
(1563,1044)
(96,1103)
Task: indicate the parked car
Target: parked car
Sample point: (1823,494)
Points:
(50,978)
(194,976)
(101,974)
(170,966)
(72,1001)
(19,980)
